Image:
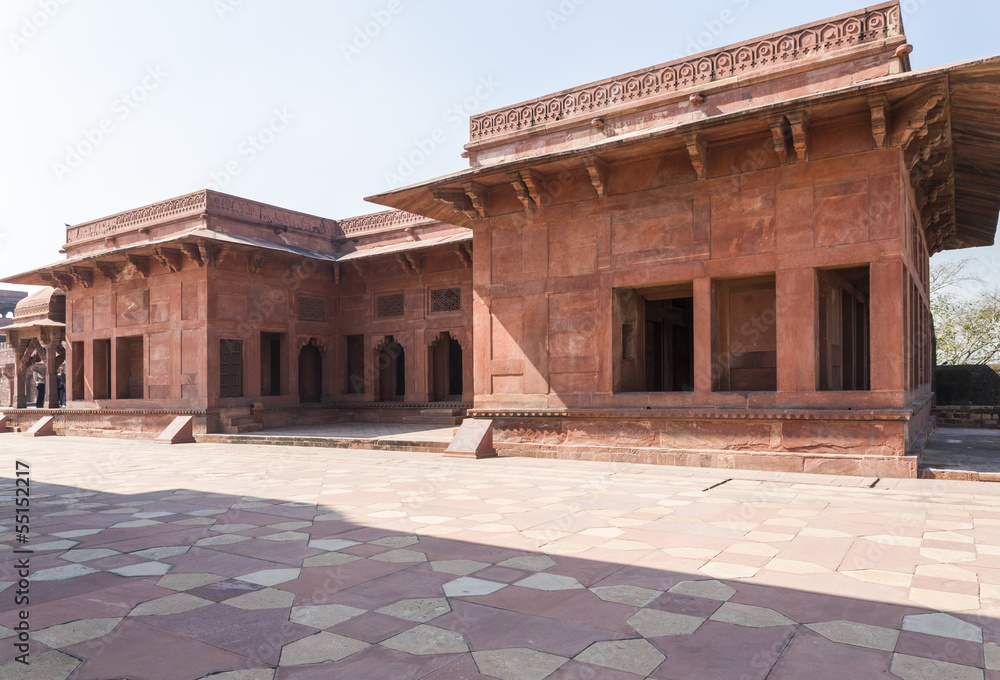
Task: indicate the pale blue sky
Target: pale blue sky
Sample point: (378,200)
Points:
(180,86)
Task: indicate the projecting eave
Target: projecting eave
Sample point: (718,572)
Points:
(970,100)
(176,248)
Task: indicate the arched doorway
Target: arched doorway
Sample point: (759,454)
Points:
(391,362)
(446,369)
(310,374)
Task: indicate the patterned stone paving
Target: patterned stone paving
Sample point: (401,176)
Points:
(272,563)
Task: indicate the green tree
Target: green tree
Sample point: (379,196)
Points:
(966,322)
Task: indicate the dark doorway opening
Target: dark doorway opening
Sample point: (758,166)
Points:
(102,369)
(446,369)
(355,364)
(270,364)
(310,374)
(77,382)
(669,345)
(391,371)
(130,364)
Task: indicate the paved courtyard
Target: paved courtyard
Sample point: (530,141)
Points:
(272,563)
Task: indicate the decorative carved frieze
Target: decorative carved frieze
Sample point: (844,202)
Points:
(815,41)
(391,219)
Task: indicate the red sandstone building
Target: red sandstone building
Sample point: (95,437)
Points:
(719,261)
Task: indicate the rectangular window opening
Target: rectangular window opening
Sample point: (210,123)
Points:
(660,356)
(230,368)
(844,337)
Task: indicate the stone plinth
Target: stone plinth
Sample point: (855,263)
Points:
(474,439)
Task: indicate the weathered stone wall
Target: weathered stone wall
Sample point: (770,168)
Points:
(968,416)
(6,369)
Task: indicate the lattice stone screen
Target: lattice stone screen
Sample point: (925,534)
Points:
(446,300)
(389,306)
(312,309)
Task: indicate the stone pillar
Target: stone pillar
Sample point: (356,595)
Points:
(20,392)
(796,312)
(887,329)
(703,313)
(51,388)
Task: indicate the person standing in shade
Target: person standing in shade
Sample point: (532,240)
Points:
(40,388)
(61,386)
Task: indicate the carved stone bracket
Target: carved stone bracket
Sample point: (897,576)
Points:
(600,174)
(136,267)
(781,133)
(917,124)
(360,271)
(521,190)
(464,254)
(256,263)
(534,182)
(698,150)
(479,196)
(408,262)
(168,258)
(82,276)
(206,252)
(336,273)
(458,201)
(108,270)
(193,254)
(879,105)
(222,254)
(799,122)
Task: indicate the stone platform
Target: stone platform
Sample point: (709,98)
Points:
(274,563)
(965,454)
(374,436)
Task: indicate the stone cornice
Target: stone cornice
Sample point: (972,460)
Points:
(386,220)
(696,414)
(769,54)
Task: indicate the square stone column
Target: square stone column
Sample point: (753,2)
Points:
(798,353)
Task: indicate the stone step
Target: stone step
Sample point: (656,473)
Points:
(435,412)
(246,428)
(240,420)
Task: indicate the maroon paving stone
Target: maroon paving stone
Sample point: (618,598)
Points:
(488,628)
(441,549)
(375,663)
(106,603)
(807,607)
(683,604)
(814,657)
(352,532)
(643,577)
(288,513)
(576,606)
(224,590)
(254,517)
(722,651)
(321,585)
(47,591)
(587,572)
(501,574)
(286,552)
(403,585)
(941,648)
(373,627)
(257,635)
(464,668)
(198,560)
(140,652)
(574,670)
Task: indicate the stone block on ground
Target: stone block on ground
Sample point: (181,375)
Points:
(179,431)
(474,439)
